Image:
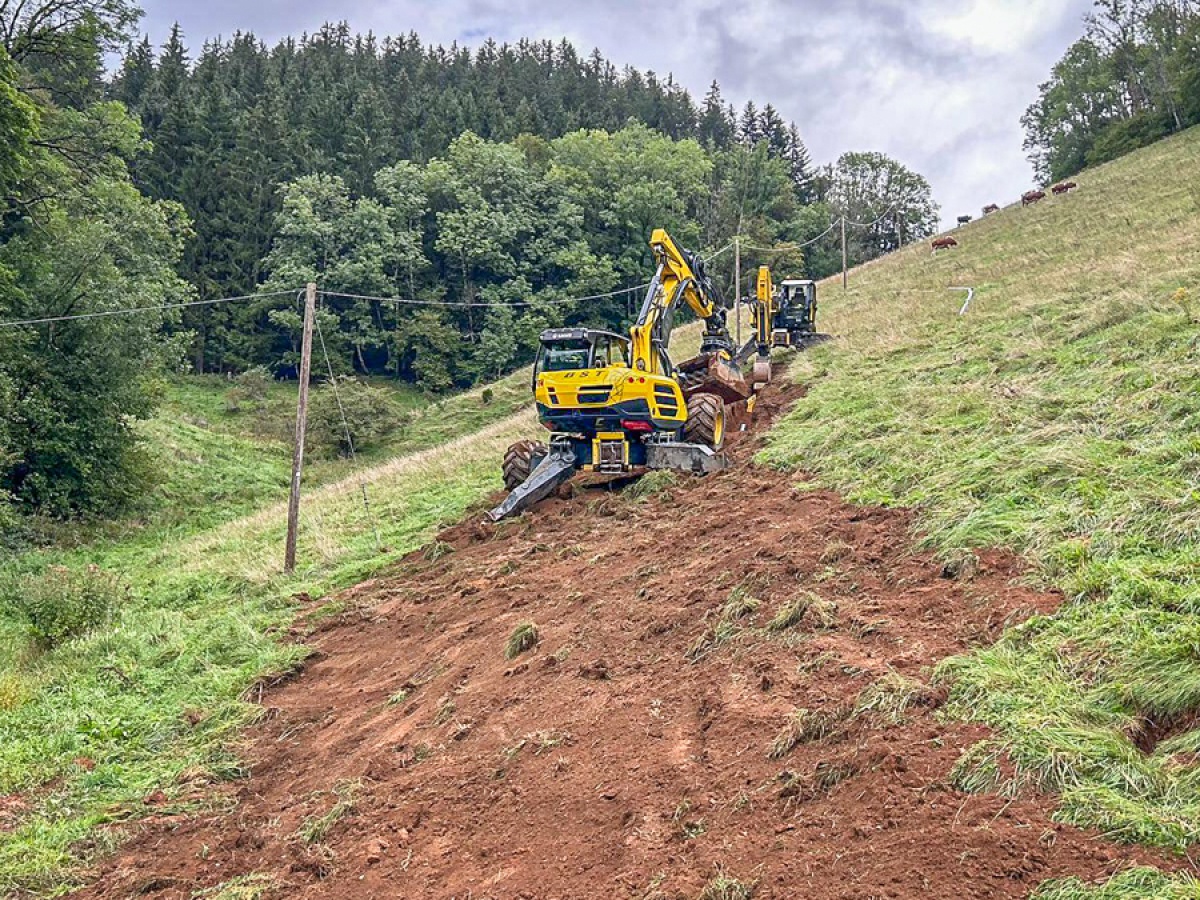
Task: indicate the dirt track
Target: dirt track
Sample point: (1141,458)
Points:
(607,763)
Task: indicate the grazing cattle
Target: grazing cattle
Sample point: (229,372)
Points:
(963,220)
(944,243)
(1063,186)
(1030,197)
(990,208)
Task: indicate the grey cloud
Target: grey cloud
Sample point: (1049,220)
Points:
(885,75)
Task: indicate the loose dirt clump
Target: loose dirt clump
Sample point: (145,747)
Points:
(796,753)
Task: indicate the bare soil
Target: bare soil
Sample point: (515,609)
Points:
(628,754)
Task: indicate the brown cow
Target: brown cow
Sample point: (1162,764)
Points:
(990,208)
(1063,186)
(1030,197)
(944,243)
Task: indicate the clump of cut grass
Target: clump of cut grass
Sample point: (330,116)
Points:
(314,829)
(807,725)
(740,604)
(822,614)
(724,886)
(437,550)
(524,637)
(888,697)
(827,775)
(791,613)
(254,886)
(977,770)
(652,484)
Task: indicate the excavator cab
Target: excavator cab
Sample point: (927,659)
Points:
(796,314)
(566,349)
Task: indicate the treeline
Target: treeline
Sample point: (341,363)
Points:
(230,126)
(1132,79)
(515,177)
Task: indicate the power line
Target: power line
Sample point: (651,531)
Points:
(461,305)
(709,257)
(783,248)
(136,309)
(886,213)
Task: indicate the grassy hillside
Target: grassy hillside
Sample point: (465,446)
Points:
(154,700)
(1060,416)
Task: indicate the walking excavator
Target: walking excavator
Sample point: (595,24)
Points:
(617,405)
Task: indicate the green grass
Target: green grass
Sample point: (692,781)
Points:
(1060,416)
(157,700)
(1132,884)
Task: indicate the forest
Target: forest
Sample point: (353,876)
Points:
(450,203)
(1130,80)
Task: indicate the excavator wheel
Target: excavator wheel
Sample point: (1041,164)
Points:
(705,421)
(519,460)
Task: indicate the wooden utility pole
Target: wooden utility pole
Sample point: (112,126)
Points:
(843,251)
(293,520)
(737,286)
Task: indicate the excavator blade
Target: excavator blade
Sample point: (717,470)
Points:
(555,469)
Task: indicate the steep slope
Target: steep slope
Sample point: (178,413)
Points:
(728,691)
(1057,416)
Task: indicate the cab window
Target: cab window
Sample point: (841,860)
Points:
(563,357)
(609,352)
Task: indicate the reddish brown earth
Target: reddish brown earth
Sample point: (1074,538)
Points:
(604,763)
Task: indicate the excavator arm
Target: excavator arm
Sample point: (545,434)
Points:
(679,276)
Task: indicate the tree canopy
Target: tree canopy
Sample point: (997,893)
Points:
(1131,79)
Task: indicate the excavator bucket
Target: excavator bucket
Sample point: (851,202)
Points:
(557,468)
(710,374)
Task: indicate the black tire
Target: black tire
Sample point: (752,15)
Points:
(705,421)
(519,460)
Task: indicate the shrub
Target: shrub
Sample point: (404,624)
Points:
(370,416)
(249,389)
(62,603)
(487,396)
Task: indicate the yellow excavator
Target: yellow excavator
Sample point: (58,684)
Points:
(784,316)
(615,404)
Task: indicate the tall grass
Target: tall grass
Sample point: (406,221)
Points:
(1060,417)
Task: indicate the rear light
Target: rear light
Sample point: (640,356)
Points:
(549,426)
(636,425)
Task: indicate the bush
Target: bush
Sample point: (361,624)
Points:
(370,416)
(61,603)
(249,389)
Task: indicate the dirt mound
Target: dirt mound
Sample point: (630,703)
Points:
(730,675)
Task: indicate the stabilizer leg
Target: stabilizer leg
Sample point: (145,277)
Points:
(555,469)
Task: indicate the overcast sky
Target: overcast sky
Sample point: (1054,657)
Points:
(938,84)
